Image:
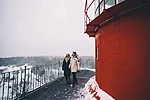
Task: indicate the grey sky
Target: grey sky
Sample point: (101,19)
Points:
(43,27)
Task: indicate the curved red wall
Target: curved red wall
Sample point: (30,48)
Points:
(123,63)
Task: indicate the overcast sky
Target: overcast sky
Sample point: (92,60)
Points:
(43,27)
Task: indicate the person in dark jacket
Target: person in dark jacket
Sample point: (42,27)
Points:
(66,68)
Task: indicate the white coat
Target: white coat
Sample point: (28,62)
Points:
(74,64)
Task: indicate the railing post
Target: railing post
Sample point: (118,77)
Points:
(8,85)
(104,5)
(3,86)
(21,81)
(24,87)
(48,72)
(36,82)
(31,80)
(28,80)
(13,85)
(51,72)
(99,11)
(38,76)
(17,83)
(33,76)
(58,68)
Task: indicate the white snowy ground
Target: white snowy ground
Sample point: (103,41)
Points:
(88,69)
(94,91)
(91,91)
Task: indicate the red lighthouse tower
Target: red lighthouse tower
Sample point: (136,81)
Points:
(121,29)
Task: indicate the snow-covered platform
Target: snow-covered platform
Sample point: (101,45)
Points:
(58,90)
(86,89)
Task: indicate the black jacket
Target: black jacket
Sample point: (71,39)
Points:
(65,64)
(65,67)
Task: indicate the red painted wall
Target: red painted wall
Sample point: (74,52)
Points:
(123,63)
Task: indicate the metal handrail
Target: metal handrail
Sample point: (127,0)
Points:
(87,19)
(98,7)
(17,83)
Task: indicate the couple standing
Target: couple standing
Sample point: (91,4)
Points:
(71,65)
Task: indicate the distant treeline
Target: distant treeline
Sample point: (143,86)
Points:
(86,61)
(19,61)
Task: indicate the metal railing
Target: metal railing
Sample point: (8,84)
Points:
(87,18)
(99,7)
(18,81)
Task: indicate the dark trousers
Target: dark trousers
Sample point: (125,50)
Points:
(67,74)
(67,78)
(74,78)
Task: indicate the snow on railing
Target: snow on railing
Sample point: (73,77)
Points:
(16,82)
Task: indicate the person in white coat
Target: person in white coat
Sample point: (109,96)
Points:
(75,66)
